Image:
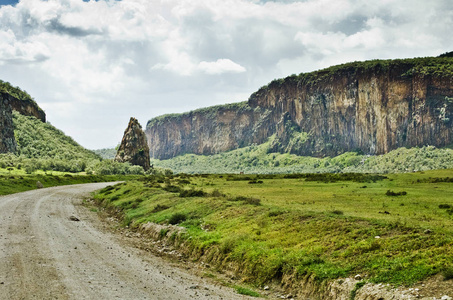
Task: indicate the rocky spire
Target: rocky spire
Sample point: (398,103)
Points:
(133,148)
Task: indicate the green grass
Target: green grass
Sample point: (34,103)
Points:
(325,226)
(15,181)
(246,291)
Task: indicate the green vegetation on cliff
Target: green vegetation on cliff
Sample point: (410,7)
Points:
(441,66)
(41,146)
(289,228)
(16,92)
(210,112)
(258,159)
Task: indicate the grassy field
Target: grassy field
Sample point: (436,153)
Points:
(14,180)
(394,229)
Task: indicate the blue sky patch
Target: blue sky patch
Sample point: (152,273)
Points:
(8,2)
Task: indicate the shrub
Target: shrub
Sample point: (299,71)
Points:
(448,273)
(255,182)
(444,206)
(217,193)
(191,193)
(392,193)
(172,188)
(177,218)
(252,201)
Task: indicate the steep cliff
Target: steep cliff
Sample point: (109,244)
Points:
(21,101)
(13,98)
(133,148)
(374,107)
(7,141)
(207,131)
(28,107)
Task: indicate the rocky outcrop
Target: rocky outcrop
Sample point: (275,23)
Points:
(133,148)
(25,107)
(28,107)
(373,107)
(7,140)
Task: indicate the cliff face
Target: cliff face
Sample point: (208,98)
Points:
(373,107)
(133,148)
(28,108)
(206,131)
(9,103)
(7,140)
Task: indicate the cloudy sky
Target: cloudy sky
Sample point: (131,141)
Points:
(91,65)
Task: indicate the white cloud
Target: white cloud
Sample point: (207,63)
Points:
(104,61)
(220,66)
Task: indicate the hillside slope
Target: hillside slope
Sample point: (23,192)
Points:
(36,139)
(373,106)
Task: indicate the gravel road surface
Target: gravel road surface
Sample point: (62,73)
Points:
(46,255)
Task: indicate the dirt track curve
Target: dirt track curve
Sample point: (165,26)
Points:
(45,255)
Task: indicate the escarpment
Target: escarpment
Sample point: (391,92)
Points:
(207,131)
(25,107)
(8,142)
(373,107)
(28,107)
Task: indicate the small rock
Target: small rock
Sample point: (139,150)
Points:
(266,288)
(428,231)
(445,297)
(377,237)
(39,185)
(74,218)
(358,277)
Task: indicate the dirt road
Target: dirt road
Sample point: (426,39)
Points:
(45,255)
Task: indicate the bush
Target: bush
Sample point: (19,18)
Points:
(392,193)
(448,273)
(444,206)
(191,193)
(177,218)
(172,188)
(217,193)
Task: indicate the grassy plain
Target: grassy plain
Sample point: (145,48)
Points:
(394,229)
